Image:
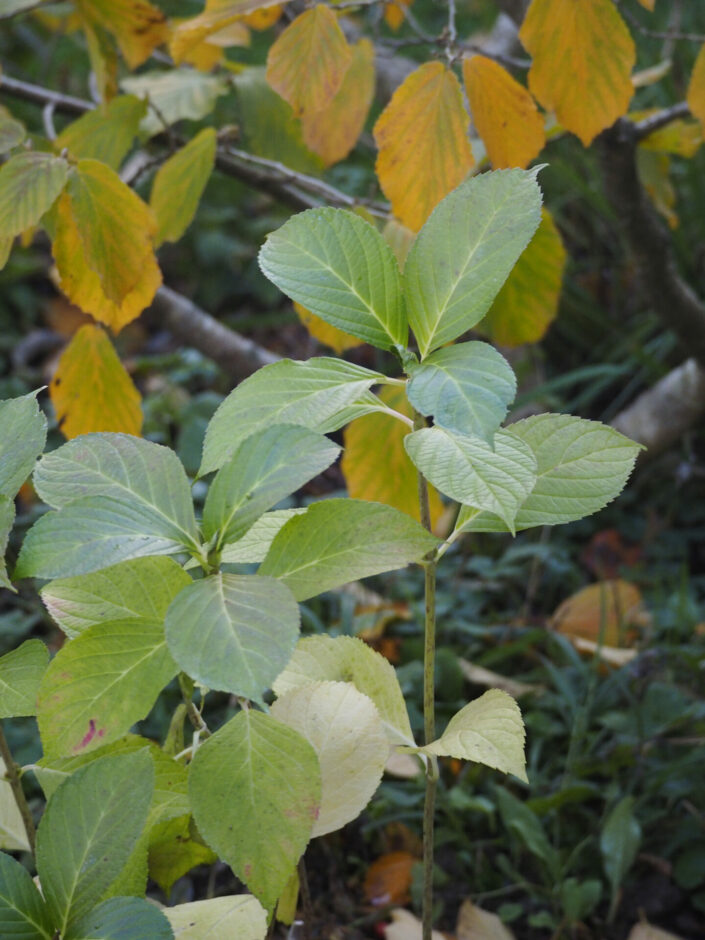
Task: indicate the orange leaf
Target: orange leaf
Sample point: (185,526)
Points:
(583,55)
(504,114)
(394,13)
(138,26)
(376,466)
(424,151)
(388,879)
(324,332)
(91,391)
(528,302)
(308,62)
(333,131)
(696,88)
(604,611)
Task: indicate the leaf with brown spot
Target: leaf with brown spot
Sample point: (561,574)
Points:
(424,151)
(333,132)
(307,63)
(504,114)
(583,55)
(91,391)
(138,26)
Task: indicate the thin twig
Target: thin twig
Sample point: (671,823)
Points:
(669,34)
(12,775)
(451,32)
(661,119)
(193,713)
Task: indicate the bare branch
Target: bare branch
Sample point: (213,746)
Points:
(661,119)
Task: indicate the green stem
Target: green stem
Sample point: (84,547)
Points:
(12,775)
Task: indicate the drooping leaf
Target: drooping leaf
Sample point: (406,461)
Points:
(183,175)
(345,730)
(471,472)
(583,55)
(338,266)
(489,731)
(105,134)
(333,131)
(91,389)
(254,544)
(101,683)
(88,831)
(141,589)
(340,540)
(581,466)
(12,133)
(122,919)
(240,915)
(504,114)
(318,394)
(527,304)
(348,659)
(23,914)
(176,94)
(467,388)
(29,186)
(424,151)
(137,25)
(466,251)
(267,466)
(21,671)
(255,790)
(13,835)
(696,88)
(326,334)
(233,633)
(23,432)
(307,63)
(375,464)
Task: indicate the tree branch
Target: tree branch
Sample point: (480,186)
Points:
(661,119)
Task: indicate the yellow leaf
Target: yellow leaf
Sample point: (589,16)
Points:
(264,18)
(138,26)
(115,227)
(103,58)
(91,391)
(333,131)
(179,184)
(424,151)
(307,63)
(187,37)
(394,13)
(696,88)
(583,55)
(376,466)
(606,611)
(528,302)
(399,238)
(681,138)
(504,113)
(648,4)
(82,285)
(329,335)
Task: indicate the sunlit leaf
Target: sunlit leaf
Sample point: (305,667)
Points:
(308,61)
(137,25)
(91,390)
(583,55)
(237,916)
(503,112)
(179,184)
(423,144)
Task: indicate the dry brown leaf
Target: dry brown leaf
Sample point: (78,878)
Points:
(405,926)
(645,931)
(476,924)
(607,611)
(492,680)
(388,879)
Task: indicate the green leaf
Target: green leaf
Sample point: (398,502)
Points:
(29,186)
(186,174)
(142,588)
(174,849)
(344,728)
(489,731)
(526,826)
(255,543)
(349,659)
(7,520)
(468,470)
(339,267)
(619,842)
(23,432)
(319,394)
(340,540)
(233,633)
(241,916)
(465,251)
(23,915)
(255,790)
(89,830)
(176,94)
(105,134)
(581,466)
(12,133)
(21,672)
(101,683)
(467,388)
(122,919)
(266,467)
(13,835)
